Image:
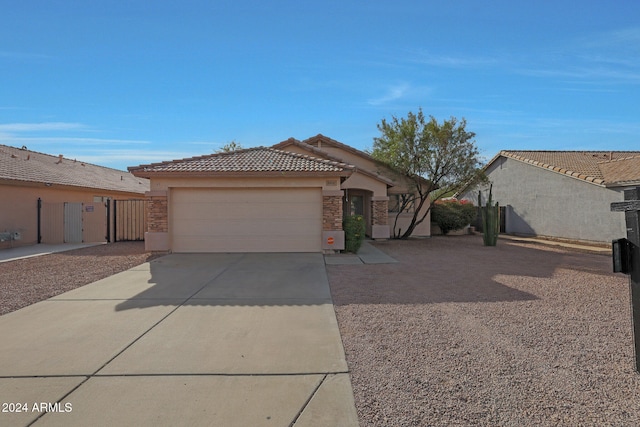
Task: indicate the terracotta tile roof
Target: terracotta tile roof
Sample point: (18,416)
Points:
(604,168)
(621,171)
(30,166)
(325,155)
(330,141)
(251,160)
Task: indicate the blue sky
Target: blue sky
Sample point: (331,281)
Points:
(124,83)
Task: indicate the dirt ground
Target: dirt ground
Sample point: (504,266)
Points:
(461,334)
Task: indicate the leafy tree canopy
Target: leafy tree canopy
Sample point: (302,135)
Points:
(432,155)
(230,146)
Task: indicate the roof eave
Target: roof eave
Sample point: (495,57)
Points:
(633,183)
(233,174)
(68,186)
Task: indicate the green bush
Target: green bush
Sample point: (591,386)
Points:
(353,226)
(452,215)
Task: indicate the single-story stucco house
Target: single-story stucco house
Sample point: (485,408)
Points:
(287,198)
(561,194)
(53,199)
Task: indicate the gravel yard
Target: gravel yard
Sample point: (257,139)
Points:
(27,281)
(461,334)
(454,334)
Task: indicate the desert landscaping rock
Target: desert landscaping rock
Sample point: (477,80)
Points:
(454,333)
(26,281)
(461,334)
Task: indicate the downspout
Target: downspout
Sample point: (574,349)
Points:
(39,218)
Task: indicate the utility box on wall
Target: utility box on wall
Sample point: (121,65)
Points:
(333,240)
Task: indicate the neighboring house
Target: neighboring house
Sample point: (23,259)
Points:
(561,194)
(287,198)
(53,199)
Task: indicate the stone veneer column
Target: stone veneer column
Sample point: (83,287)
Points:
(332,212)
(380,210)
(156,237)
(332,234)
(157,214)
(380,217)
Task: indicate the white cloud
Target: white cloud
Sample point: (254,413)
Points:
(8,139)
(121,159)
(38,127)
(451,61)
(392,94)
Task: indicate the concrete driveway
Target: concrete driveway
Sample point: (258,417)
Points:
(187,339)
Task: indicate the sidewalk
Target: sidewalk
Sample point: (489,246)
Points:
(368,254)
(41,249)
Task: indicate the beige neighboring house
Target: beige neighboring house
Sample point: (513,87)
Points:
(53,199)
(561,194)
(287,198)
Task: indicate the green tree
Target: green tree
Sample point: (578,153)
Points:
(433,156)
(230,146)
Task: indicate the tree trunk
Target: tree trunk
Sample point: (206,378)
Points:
(414,220)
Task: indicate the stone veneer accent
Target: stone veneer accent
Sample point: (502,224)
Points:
(157,214)
(332,211)
(380,212)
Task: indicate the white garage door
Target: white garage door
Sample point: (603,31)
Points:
(246,220)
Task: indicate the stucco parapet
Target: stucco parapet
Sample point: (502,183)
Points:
(332,193)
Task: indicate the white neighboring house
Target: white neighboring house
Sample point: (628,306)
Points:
(561,194)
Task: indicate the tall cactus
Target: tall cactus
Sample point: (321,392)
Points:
(490,219)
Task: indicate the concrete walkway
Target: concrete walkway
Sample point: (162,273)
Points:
(567,245)
(187,339)
(41,249)
(367,254)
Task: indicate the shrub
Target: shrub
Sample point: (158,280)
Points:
(353,226)
(452,214)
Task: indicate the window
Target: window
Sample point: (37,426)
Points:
(401,201)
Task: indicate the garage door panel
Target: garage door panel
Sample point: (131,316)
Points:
(239,195)
(240,244)
(231,227)
(246,220)
(248,213)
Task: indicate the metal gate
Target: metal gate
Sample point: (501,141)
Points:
(50,222)
(129,219)
(72,222)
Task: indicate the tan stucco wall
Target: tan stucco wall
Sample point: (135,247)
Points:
(360,181)
(326,183)
(19,208)
(404,219)
(348,157)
